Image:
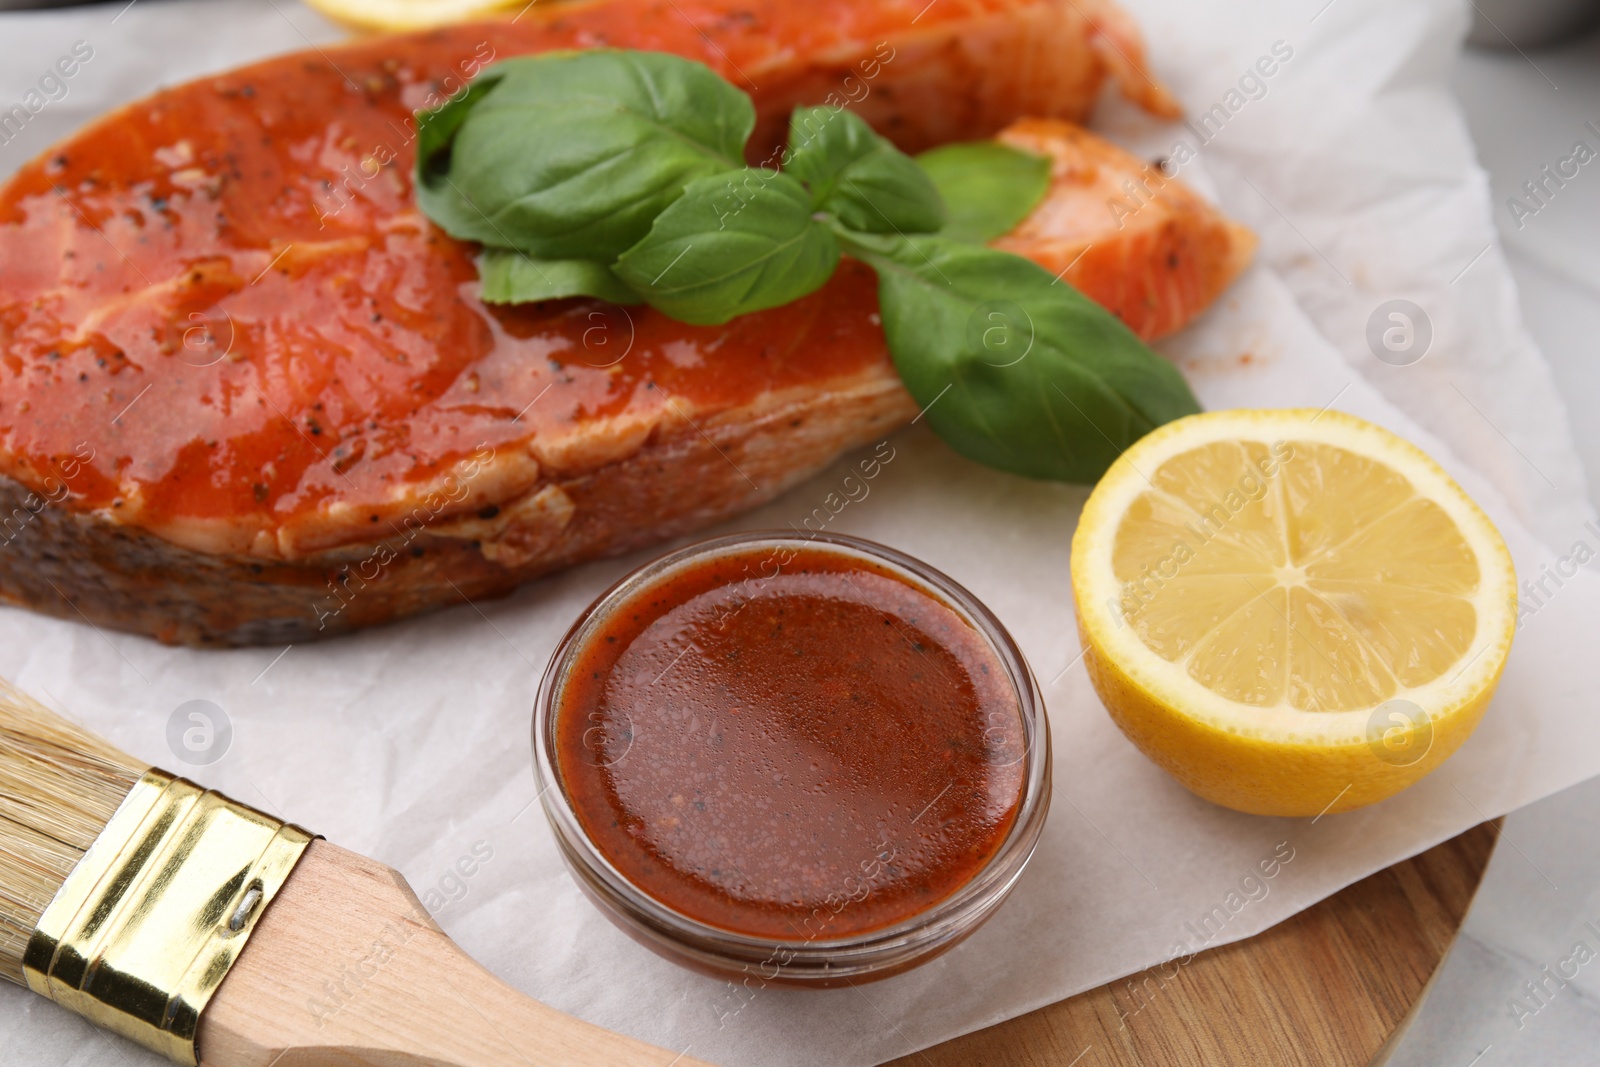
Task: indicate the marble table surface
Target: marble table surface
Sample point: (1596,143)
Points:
(1536,918)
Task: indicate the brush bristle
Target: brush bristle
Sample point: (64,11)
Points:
(59,786)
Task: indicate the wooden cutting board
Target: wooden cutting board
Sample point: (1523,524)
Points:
(1330,987)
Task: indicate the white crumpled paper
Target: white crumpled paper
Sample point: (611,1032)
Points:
(411,743)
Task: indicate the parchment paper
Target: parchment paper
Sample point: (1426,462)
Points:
(411,743)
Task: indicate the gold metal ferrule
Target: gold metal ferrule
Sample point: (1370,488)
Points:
(146,926)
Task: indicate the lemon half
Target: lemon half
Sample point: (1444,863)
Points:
(394,16)
(1292,612)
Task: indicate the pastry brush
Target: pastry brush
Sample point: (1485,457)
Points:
(216,934)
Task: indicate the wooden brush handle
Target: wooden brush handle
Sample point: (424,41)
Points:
(346,968)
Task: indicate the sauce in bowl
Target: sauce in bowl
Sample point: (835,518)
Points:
(798,743)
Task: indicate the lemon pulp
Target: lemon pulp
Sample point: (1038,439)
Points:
(1289,590)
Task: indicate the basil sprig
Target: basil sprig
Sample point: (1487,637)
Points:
(620,175)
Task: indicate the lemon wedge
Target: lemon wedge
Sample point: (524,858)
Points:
(1292,612)
(397,15)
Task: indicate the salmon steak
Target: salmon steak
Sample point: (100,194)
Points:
(250,393)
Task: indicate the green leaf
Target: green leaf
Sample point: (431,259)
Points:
(509,277)
(436,128)
(573,155)
(858,177)
(1012,368)
(988,187)
(732,244)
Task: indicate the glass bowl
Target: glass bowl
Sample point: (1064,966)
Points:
(865,956)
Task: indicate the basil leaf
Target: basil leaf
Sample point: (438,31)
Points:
(1042,381)
(858,177)
(436,128)
(732,244)
(988,187)
(572,155)
(509,277)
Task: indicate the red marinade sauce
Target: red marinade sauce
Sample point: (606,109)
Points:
(795,743)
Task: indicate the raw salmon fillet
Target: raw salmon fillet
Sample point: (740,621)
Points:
(249,393)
